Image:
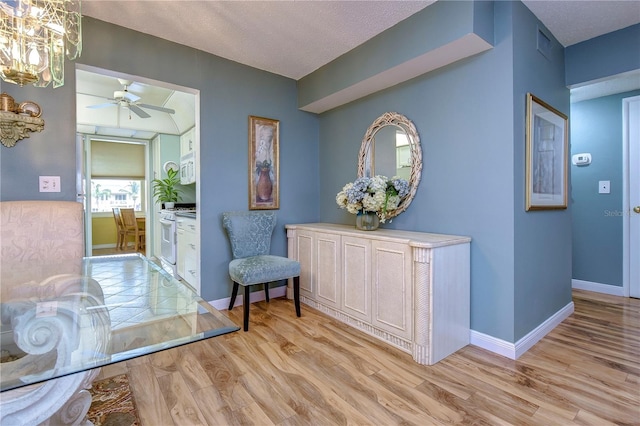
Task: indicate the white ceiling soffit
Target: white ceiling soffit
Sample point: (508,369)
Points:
(620,83)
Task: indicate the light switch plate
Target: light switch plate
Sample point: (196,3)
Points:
(49,184)
(604,187)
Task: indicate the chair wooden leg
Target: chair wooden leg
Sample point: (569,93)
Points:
(234,293)
(296,294)
(266,291)
(245,307)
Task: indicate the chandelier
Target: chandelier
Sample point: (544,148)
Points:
(35,37)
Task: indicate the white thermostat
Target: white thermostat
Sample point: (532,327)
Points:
(581,159)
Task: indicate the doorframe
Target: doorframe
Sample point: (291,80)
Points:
(83,164)
(83,181)
(153,230)
(626,195)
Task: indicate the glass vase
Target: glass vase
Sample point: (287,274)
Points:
(367,221)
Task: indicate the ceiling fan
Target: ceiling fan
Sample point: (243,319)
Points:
(129,100)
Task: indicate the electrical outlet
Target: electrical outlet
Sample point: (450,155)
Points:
(604,187)
(49,184)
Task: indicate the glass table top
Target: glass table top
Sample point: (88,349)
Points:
(108,309)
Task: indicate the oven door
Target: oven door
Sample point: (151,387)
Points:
(168,240)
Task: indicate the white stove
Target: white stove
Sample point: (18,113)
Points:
(171,214)
(168,241)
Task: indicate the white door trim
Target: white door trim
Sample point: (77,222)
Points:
(627,187)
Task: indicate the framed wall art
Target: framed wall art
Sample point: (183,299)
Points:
(547,150)
(264,176)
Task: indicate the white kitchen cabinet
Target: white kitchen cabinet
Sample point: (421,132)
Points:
(188,157)
(186,262)
(409,289)
(187,142)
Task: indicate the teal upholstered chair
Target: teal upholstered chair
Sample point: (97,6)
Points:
(250,237)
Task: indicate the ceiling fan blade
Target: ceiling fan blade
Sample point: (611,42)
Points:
(102,105)
(138,111)
(158,108)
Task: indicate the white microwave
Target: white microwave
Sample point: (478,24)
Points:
(188,168)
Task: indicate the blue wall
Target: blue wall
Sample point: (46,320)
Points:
(596,127)
(229,93)
(610,54)
(470,116)
(542,239)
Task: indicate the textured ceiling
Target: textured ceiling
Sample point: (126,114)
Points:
(294,38)
(290,38)
(574,21)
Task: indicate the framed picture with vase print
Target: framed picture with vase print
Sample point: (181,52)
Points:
(547,150)
(264,173)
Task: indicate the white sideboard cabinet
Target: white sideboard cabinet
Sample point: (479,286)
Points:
(409,289)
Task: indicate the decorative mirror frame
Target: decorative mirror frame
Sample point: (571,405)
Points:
(397,120)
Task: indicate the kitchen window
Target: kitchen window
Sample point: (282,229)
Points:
(122,192)
(117,176)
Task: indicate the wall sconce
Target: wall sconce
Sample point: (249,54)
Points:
(17,121)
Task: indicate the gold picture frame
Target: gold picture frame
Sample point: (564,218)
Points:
(547,152)
(264,163)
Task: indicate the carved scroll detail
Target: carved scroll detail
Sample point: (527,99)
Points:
(14,127)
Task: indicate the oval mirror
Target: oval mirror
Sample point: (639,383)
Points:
(391,147)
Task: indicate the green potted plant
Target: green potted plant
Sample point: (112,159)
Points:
(165,190)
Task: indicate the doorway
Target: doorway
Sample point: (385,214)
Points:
(133,110)
(631,195)
(116,178)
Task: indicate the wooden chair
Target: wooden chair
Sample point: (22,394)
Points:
(120,231)
(250,237)
(130,225)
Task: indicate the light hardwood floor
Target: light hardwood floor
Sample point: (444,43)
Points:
(316,371)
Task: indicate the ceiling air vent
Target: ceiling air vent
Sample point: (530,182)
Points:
(544,44)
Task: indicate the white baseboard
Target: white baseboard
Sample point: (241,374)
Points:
(103,246)
(256,296)
(490,343)
(613,290)
(515,350)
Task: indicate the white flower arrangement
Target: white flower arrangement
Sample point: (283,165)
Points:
(377,194)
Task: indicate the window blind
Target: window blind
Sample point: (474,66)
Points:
(115,159)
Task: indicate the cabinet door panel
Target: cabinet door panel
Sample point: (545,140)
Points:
(392,290)
(356,276)
(304,255)
(328,269)
(181,250)
(187,251)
